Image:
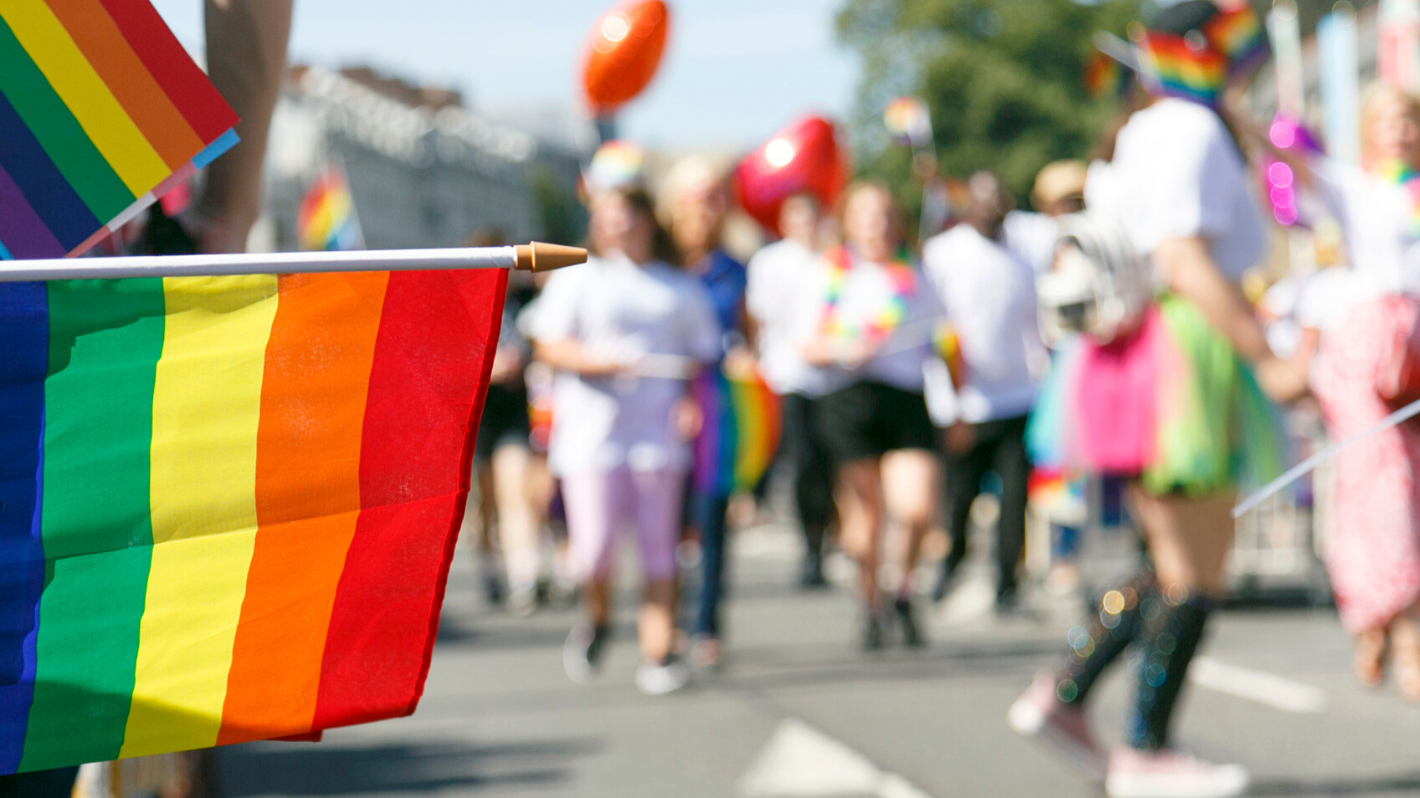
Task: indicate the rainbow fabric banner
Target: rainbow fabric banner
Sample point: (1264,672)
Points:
(101,112)
(740,435)
(326,219)
(228,505)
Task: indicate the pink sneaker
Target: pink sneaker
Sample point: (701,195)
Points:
(1170,774)
(1040,715)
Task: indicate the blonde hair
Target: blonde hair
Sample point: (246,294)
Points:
(1374,95)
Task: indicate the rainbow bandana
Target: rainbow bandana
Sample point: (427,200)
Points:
(1403,175)
(1197,63)
(904,284)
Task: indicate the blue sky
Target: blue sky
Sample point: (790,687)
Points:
(734,71)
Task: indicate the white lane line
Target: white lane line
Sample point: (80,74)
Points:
(800,761)
(1264,688)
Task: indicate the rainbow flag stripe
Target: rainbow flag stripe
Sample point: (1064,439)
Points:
(228,505)
(741,434)
(1175,69)
(101,112)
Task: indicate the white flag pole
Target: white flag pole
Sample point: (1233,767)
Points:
(537,257)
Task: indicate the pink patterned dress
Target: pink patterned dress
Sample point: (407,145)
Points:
(1374,554)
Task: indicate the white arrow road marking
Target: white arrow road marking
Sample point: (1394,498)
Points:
(1264,688)
(800,761)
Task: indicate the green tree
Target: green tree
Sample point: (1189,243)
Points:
(1003,78)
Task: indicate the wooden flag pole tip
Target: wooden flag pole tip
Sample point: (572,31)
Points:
(540,257)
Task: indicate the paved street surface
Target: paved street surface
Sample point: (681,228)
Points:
(798,711)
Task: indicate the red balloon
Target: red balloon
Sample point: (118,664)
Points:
(802,157)
(623,53)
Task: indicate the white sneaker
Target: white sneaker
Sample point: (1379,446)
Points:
(661,678)
(1062,728)
(1170,774)
(581,654)
(522,601)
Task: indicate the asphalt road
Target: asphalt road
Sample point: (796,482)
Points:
(798,711)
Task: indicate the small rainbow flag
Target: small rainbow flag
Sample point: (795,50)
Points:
(740,437)
(101,112)
(326,219)
(1238,34)
(1105,77)
(909,121)
(228,505)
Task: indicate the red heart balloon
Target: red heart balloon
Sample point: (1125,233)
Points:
(624,52)
(802,157)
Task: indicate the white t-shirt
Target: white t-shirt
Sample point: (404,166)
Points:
(867,292)
(1177,173)
(1031,236)
(779,275)
(1374,215)
(623,311)
(989,295)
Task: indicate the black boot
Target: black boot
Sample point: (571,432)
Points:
(1168,640)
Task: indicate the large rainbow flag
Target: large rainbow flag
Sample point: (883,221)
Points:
(228,505)
(101,112)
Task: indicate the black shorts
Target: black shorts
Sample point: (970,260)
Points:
(869,419)
(504,421)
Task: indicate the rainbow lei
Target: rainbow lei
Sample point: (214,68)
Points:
(1405,176)
(904,284)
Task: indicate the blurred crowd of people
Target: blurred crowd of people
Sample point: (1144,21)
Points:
(902,373)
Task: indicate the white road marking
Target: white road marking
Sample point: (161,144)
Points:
(1264,688)
(800,761)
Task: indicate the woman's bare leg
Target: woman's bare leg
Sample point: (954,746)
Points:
(909,478)
(860,510)
(518,518)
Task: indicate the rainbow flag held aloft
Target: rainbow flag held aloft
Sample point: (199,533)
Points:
(326,219)
(101,112)
(228,505)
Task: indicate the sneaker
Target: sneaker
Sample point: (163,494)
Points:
(660,678)
(872,636)
(1170,774)
(522,601)
(811,573)
(945,580)
(911,635)
(705,652)
(582,653)
(1039,715)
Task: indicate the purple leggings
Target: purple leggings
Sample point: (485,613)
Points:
(600,503)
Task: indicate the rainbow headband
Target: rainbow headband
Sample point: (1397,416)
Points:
(1199,65)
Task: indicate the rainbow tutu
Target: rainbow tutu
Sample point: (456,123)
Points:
(1173,405)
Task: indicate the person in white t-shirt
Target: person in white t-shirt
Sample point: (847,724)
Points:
(621,430)
(865,329)
(988,291)
(1059,189)
(1178,187)
(778,276)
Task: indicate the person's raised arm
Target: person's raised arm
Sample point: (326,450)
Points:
(1191,273)
(246,60)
